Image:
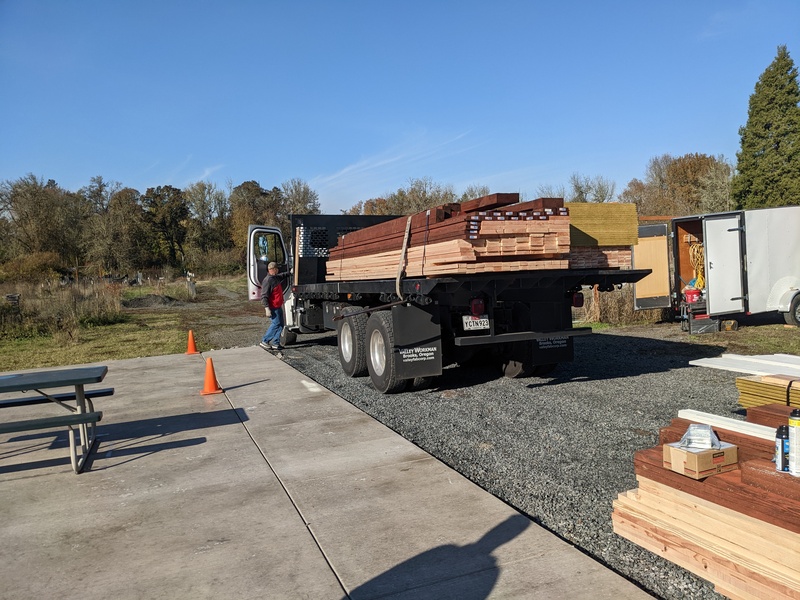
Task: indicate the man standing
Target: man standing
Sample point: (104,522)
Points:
(272,299)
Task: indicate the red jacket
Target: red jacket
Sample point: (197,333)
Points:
(272,290)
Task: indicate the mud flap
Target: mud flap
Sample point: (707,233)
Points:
(418,342)
(552,350)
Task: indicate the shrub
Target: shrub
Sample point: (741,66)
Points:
(616,308)
(38,266)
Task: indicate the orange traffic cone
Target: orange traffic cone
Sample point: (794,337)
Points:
(191,348)
(211,385)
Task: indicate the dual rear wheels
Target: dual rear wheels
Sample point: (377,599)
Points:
(366,346)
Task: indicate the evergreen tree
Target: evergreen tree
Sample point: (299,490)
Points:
(768,163)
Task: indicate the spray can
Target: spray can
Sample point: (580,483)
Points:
(794,442)
(782,448)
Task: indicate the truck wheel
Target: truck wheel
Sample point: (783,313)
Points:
(793,316)
(351,336)
(515,369)
(518,362)
(380,359)
(288,337)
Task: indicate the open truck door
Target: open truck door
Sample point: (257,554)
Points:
(652,252)
(264,245)
(722,244)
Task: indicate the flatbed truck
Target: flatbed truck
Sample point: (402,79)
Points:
(410,328)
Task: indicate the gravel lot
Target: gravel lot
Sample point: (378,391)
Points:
(559,449)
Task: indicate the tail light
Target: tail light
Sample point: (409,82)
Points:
(577,300)
(477,307)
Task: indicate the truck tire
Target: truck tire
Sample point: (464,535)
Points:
(380,360)
(793,316)
(288,337)
(518,362)
(351,335)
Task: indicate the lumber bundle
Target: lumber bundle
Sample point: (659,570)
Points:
(491,234)
(600,257)
(756,390)
(601,235)
(739,530)
(494,233)
(603,224)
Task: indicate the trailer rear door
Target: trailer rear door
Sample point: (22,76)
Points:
(652,252)
(722,246)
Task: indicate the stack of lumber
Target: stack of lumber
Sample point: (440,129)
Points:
(739,530)
(756,390)
(601,234)
(491,234)
(496,233)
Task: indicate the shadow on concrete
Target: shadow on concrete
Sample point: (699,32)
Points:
(465,572)
(134,439)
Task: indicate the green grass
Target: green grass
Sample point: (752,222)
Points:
(150,334)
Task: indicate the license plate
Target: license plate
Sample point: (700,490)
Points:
(471,323)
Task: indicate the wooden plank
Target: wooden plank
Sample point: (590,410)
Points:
(739,581)
(725,489)
(489,202)
(737,532)
(762,473)
(769,415)
(751,429)
(783,364)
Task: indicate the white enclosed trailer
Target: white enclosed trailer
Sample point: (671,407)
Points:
(740,262)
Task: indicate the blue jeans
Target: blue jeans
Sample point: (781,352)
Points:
(273,334)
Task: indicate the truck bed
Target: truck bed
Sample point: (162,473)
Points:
(566,278)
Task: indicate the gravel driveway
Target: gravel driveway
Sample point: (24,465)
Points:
(559,449)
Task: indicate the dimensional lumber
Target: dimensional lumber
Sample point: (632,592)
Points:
(486,235)
(756,390)
(765,364)
(743,556)
(725,489)
(603,224)
(739,530)
(771,415)
(728,424)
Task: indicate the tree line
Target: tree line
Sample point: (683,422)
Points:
(107,228)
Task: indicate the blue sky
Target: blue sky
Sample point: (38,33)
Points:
(358,97)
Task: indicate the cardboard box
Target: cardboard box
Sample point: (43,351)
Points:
(698,464)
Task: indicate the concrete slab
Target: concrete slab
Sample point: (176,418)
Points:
(277,488)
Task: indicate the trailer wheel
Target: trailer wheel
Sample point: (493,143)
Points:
(793,316)
(351,335)
(380,360)
(288,337)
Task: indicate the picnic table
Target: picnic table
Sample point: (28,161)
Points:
(81,413)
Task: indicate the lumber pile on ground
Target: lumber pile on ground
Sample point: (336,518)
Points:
(496,233)
(739,530)
(756,390)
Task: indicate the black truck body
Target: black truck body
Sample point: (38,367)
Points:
(403,329)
